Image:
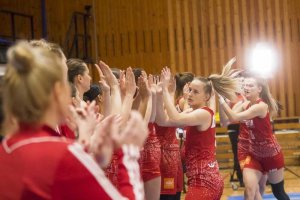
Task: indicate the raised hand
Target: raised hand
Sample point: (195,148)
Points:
(152,84)
(144,89)
(165,77)
(172,86)
(158,85)
(104,86)
(150,80)
(122,81)
(186,91)
(130,84)
(109,76)
(102,82)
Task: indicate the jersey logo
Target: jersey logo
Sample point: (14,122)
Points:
(249,123)
(212,164)
(169,183)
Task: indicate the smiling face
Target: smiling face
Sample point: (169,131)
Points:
(197,96)
(251,89)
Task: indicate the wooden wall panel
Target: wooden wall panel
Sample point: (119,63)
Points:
(232,27)
(228,26)
(31,7)
(196,38)
(187,35)
(221,36)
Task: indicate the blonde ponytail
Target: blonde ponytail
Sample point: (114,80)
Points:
(225,84)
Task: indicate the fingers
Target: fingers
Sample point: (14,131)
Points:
(150,79)
(109,76)
(99,71)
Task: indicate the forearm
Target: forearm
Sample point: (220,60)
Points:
(230,114)
(223,117)
(170,108)
(153,112)
(106,104)
(126,107)
(161,117)
(116,103)
(148,108)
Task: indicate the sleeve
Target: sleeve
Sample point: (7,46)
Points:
(79,177)
(129,177)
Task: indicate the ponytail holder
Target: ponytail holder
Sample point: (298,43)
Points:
(210,82)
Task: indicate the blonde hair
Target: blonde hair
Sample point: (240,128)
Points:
(53,47)
(224,83)
(29,80)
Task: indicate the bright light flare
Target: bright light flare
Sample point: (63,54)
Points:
(263,60)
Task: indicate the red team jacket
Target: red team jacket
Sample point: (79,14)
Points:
(39,164)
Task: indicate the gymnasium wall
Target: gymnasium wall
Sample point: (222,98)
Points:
(187,35)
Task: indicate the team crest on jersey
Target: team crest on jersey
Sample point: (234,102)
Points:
(169,183)
(212,164)
(249,123)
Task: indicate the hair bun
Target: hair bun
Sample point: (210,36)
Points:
(21,57)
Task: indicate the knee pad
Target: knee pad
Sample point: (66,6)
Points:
(278,191)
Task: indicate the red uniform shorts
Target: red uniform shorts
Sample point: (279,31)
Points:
(150,162)
(243,149)
(264,165)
